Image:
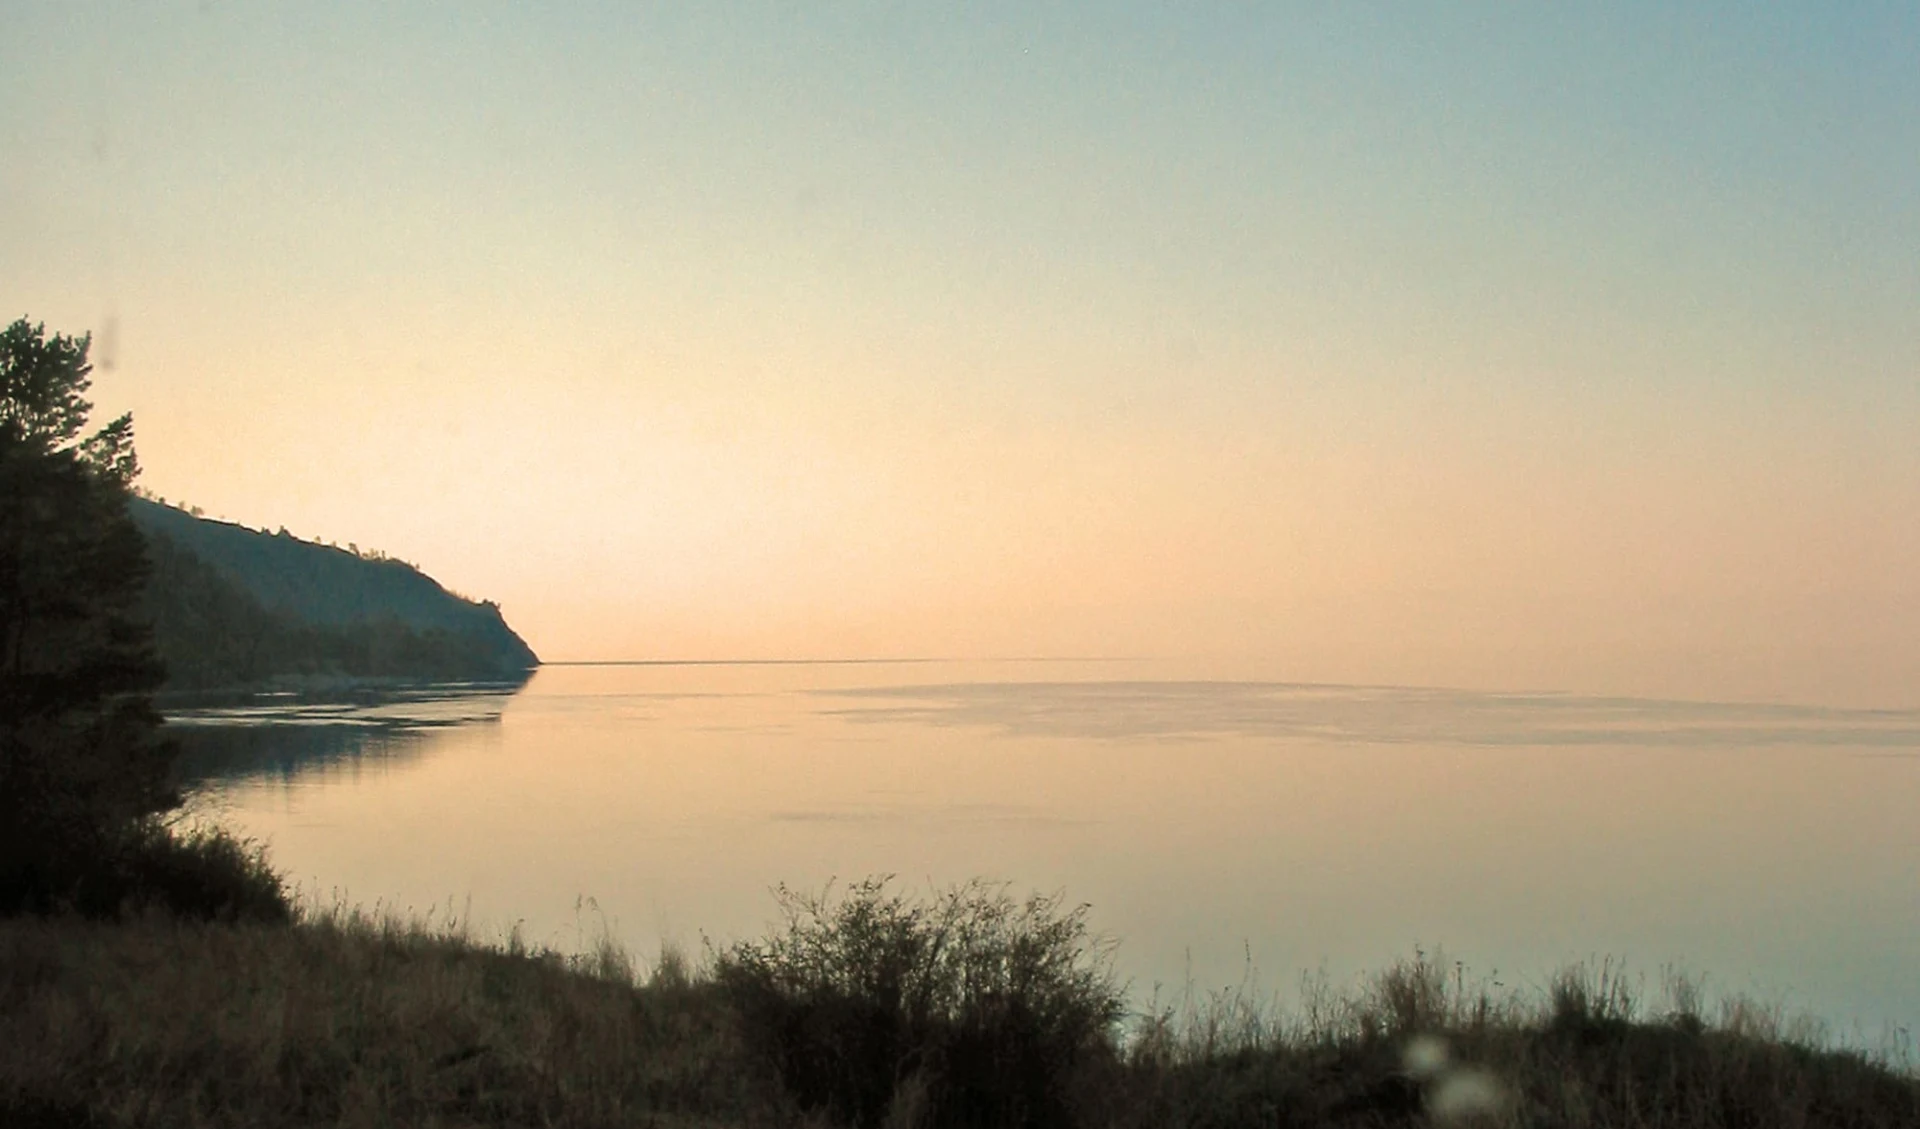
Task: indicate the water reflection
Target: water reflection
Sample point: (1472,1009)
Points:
(283,736)
(1210,821)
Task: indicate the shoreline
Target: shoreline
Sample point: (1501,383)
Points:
(321,685)
(349,1018)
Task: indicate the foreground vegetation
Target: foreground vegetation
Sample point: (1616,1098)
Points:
(867,1009)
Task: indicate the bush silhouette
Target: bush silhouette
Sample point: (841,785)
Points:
(967,1008)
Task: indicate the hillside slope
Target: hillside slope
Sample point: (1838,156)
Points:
(234,606)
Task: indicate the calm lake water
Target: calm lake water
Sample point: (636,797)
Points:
(1210,823)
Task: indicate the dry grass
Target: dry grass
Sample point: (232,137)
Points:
(1422,1043)
(347,1018)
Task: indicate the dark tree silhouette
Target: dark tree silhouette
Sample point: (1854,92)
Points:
(82,764)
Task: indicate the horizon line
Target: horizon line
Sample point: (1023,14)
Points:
(862,661)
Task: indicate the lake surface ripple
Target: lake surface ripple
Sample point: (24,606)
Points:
(1214,825)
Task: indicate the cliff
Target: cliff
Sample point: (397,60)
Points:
(233,606)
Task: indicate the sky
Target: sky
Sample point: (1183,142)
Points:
(1544,347)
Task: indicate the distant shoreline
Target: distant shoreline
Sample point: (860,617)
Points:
(843,662)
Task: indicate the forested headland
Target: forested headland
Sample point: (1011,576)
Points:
(233,607)
(107,599)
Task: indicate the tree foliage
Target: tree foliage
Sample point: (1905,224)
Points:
(81,759)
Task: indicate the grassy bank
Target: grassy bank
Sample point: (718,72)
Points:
(867,1008)
(345,1020)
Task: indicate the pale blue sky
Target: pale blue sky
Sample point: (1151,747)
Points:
(1447,341)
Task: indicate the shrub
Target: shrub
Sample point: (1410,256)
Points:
(967,1008)
(205,874)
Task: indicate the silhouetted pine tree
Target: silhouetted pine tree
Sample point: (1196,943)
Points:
(81,760)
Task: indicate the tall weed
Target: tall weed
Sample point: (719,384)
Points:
(966,1008)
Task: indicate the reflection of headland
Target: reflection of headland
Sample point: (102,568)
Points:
(290,734)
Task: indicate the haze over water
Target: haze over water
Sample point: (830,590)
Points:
(1210,821)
